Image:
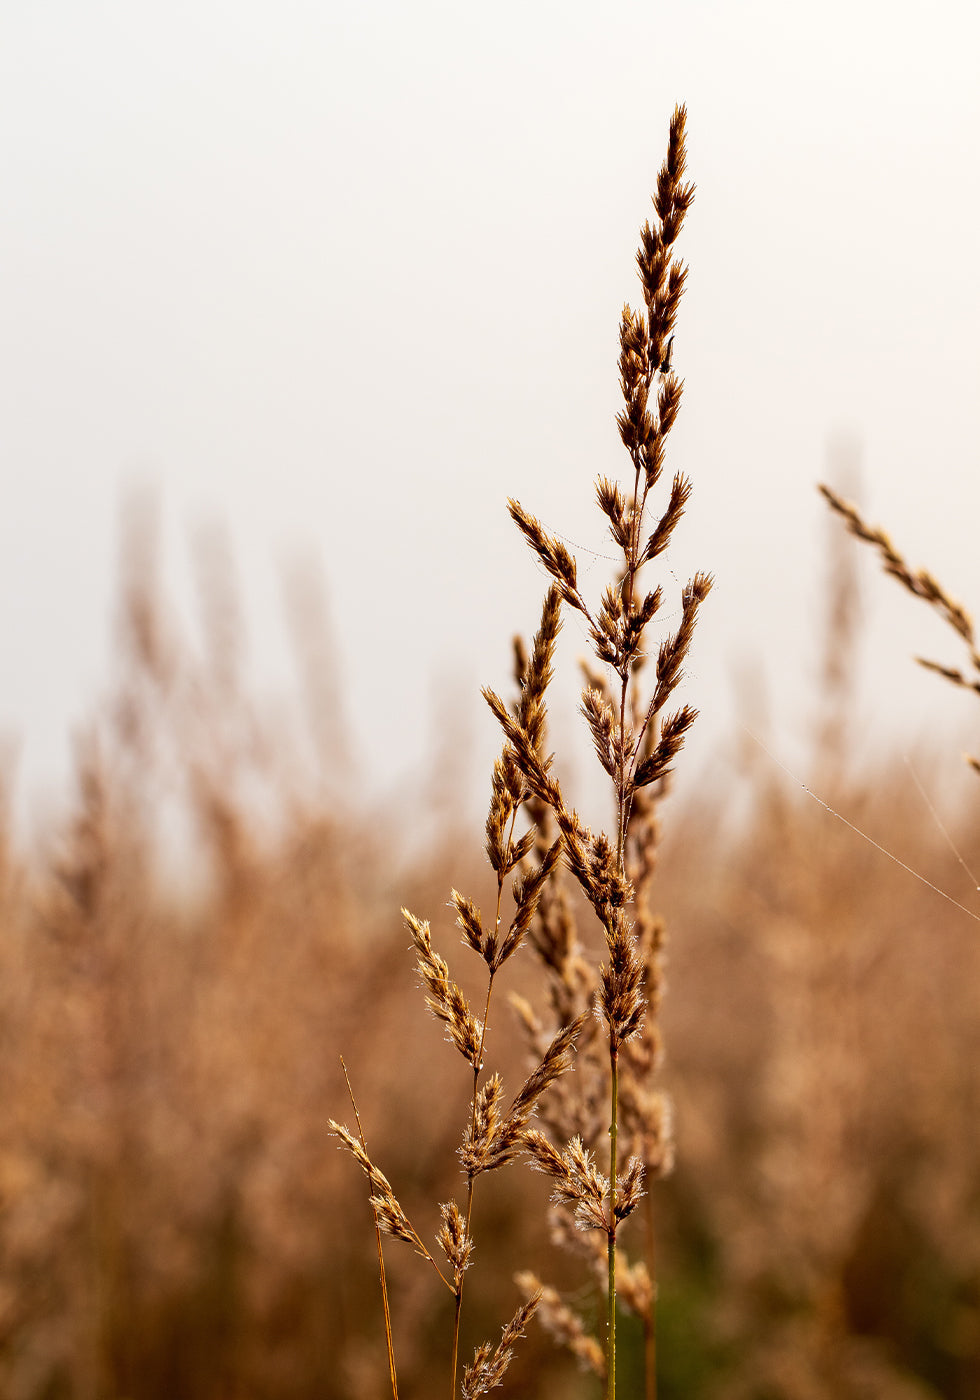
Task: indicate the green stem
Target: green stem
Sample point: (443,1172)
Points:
(611,1305)
(456,1318)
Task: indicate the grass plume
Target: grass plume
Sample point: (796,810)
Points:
(636,741)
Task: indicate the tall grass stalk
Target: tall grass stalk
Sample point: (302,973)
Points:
(636,741)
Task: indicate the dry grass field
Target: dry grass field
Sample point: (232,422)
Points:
(213,918)
(175,1220)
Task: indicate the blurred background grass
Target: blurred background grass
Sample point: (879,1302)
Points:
(211,918)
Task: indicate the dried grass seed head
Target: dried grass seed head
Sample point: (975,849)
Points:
(629,1188)
(391,1219)
(538,673)
(621,989)
(488,1366)
(469,919)
(612,503)
(556,1060)
(527,894)
(660,537)
(672,733)
(578,1183)
(445,1000)
(490,1141)
(919,581)
(564,1325)
(453,1239)
(599,716)
(551,552)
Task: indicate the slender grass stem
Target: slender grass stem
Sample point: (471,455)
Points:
(381,1257)
(456,1316)
(611,1302)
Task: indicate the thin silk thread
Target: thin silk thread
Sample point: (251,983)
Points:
(864,835)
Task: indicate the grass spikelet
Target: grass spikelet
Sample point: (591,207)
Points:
(392,1220)
(489,1364)
(445,1000)
(564,1324)
(921,584)
(454,1241)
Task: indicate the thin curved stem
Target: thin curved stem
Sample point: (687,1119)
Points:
(381,1258)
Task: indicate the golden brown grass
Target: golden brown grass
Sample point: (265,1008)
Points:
(610,1135)
(921,584)
(173,1219)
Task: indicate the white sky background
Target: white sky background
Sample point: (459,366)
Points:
(344,276)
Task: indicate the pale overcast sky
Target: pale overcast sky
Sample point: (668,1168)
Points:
(345,275)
